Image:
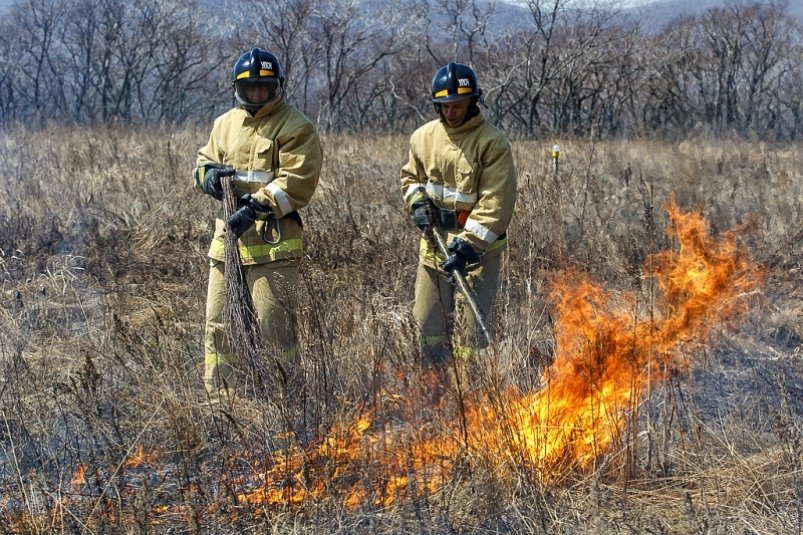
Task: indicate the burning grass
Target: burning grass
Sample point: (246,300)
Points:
(644,381)
(606,358)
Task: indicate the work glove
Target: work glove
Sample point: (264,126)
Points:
(421,212)
(461,253)
(213,172)
(250,210)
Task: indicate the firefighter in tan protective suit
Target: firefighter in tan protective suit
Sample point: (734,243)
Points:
(459,181)
(273,153)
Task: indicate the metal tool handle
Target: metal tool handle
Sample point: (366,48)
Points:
(460,280)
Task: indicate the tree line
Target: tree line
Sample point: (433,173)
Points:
(546,68)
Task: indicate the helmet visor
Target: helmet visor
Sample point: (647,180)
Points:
(253,94)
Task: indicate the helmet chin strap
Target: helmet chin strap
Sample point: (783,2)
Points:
(474,109)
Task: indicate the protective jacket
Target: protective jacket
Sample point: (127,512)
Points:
(277,155)
(467,170)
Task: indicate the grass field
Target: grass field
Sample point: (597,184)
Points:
(627,392)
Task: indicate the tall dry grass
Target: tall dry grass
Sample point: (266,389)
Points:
(103,269)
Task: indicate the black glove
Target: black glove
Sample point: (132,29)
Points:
(250,210)
(213,172)
(421,212)
(461,253)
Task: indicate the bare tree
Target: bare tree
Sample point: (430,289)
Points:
(285,27)
(722,31)
(39,37)
(80,42)
(187,64)
(545,66)
(767,44)
(9,105)
(563,46)
(670,59)
(356,36)
(466,23)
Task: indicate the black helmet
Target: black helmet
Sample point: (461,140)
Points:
(257,67)
(455,81)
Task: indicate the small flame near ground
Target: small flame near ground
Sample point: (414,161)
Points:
(610,347)
(78,479)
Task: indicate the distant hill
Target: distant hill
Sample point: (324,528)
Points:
(652,15)
(660,12)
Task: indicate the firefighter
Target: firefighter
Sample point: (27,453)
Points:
(459,181)
(273,154)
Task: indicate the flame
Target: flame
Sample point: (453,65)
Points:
(610,346)
(606,354)
(140,457)
(79,478)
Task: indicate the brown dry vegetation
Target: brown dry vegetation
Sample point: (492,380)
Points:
(103,270)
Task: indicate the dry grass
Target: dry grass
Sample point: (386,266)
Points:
(103,270)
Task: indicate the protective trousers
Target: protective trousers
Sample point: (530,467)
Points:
(273,293)
(444,319)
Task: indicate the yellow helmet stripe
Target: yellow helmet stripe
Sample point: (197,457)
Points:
(246,74)
(460,91)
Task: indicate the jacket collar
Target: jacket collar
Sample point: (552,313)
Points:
(467,126)
(268,109)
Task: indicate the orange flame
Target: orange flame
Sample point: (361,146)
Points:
(606,355)
(140,458)
(78,479)
(609,348)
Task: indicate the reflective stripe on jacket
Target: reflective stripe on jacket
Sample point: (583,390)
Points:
(277,154)
(467,168)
